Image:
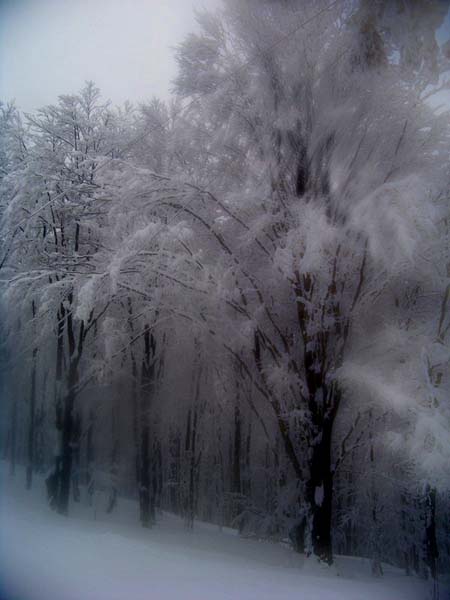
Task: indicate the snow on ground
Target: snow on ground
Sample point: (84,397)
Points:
(47,557)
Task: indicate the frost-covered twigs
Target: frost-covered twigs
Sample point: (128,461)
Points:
(239,302)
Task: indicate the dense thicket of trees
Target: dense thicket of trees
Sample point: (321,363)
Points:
(236,307)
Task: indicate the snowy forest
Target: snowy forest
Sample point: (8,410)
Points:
(233,306)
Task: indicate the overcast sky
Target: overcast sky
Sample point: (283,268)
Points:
(51,47)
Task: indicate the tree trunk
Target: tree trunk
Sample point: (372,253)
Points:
(174,471)
(134,399)
(192,472)
(237,450)
(154,478)
(76,439)
(159,479)
(144,483)
(431,547)
(146,504)
(90,456)
(377,569)
(65,473)
(53,480)
(319,495)
(69,425)
(13,439)
(323,399)
(31,423)
(248,474)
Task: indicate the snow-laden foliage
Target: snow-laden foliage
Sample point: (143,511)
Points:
(239,309)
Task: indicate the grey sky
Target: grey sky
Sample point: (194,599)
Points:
(50,47)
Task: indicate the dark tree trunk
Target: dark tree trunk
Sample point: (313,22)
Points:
(192,472)
(31,421)
(134,398)
(405,532)
(174,473)
(248,474)
(153,478)
(146,503)
(237,450)
(159,475)
(65,473)
(377,569)
(318,476)
(40,430)
(76,439)
(13,439)
(53,480)
(90,456)
(191,425)
(319,492)
(144,483)
(186,469)
(69,419)
(322,399)
(349,528)
(191,455)
(113,470)
(431,547)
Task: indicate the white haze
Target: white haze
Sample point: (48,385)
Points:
(51,47)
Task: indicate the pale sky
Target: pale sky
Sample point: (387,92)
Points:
(51,47)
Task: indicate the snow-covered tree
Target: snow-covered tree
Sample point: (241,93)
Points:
(236,307)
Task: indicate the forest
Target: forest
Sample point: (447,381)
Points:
(234,305)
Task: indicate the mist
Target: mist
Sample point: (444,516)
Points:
(52,47)
(224,300)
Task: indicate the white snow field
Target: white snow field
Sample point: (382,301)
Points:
(94,556)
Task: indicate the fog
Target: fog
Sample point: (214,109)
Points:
(51,47)
(225,306)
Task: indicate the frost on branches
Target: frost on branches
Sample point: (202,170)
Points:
(236,307)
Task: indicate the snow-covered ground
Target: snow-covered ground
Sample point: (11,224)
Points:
(47,557)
